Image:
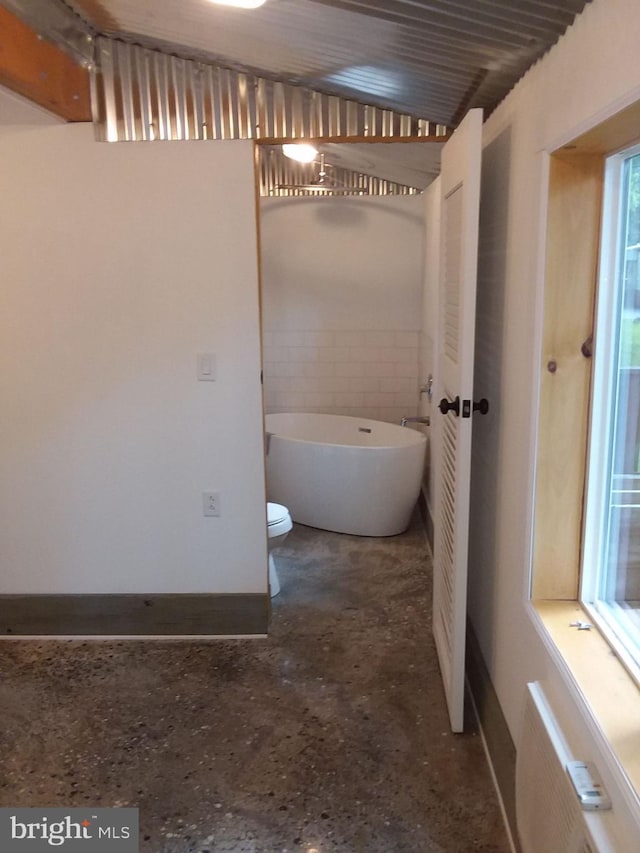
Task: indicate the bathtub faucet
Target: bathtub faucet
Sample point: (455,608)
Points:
(420,420)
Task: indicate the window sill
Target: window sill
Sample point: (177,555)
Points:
(609,690)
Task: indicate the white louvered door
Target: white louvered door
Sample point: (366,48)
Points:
(451,432)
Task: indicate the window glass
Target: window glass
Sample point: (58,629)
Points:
(612,585)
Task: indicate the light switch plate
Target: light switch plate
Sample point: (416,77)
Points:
(206,367)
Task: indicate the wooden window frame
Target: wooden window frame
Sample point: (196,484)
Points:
(576,185)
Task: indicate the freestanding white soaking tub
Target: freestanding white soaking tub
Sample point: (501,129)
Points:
(350,475)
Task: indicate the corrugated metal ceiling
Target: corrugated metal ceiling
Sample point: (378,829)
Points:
(432,59)
(303,69)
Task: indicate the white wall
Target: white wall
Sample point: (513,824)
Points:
(119,263)
(342,292)
(592,72)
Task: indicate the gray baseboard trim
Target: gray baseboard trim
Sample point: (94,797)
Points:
(500,746)
(426,517)
(168,615)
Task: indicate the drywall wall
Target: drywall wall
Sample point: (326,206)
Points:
(342,291)
(119,264)
(592,72)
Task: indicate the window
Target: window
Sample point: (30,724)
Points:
(611,554)
(568,565)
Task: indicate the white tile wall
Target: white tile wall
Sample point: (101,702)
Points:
(372,374)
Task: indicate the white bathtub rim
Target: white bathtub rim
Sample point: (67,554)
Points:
(417,436)
(377,447)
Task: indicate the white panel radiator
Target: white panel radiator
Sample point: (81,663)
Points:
(549,816)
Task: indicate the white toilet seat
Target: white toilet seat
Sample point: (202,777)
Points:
(278,520)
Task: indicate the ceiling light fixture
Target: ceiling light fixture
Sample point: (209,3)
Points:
(240,4)
(300,151)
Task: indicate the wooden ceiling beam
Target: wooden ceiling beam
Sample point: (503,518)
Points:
(41,72)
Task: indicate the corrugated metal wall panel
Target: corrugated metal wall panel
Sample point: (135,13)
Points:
(148,95)
(280,176)
(145,95)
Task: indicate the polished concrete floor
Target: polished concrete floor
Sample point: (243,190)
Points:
(331,735)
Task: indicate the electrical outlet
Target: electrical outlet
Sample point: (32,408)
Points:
(211,503)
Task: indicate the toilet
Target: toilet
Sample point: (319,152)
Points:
(278,526)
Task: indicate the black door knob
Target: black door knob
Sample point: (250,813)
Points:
(481,406)
(447,406)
